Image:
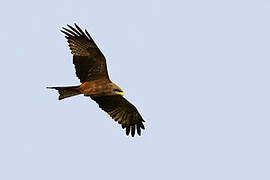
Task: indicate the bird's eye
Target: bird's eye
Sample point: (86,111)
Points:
(117,90)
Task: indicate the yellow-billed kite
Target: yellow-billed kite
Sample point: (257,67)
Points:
(91,69)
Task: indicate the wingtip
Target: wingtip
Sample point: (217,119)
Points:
(131,130)
(76,25)
(127,130)
(142,126)
(64,32)
(138,130)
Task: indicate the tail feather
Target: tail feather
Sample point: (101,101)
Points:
(65,92)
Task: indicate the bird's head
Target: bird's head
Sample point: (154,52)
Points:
(117,90)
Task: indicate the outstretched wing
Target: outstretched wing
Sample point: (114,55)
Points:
(121,111)
(90,63)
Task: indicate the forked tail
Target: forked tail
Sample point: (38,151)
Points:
(65,92)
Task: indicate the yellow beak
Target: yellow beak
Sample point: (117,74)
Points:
(121,93)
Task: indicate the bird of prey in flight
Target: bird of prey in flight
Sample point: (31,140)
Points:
(91,69)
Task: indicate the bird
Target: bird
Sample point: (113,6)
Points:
(91,69)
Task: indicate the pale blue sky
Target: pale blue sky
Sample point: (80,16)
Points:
(198,71)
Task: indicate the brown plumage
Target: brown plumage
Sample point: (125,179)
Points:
(91,69)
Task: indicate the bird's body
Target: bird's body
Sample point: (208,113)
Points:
(91,69)
(98,88)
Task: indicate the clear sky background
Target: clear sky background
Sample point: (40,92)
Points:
(198,71)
